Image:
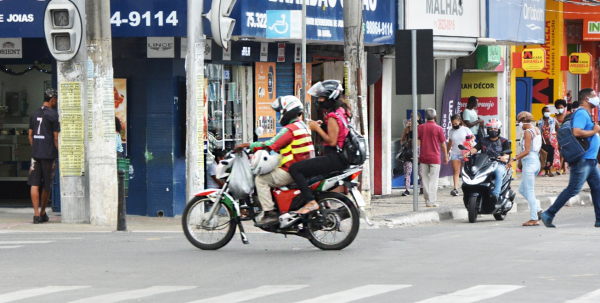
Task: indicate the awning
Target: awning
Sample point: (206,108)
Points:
(453,47)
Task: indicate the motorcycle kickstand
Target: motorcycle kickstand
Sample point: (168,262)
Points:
(242,232)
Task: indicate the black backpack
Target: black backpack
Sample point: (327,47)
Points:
(354,151)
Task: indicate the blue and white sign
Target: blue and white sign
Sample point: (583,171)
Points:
(284,24)
(22,18)
(520,21)
(324,19)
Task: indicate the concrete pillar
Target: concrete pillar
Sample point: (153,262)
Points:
(386,125)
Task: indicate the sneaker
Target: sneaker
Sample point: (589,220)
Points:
(547,220)
(455,192)
(421,191)
(268,219)
(44,218)
(434,205)
(406,193)
(36,220)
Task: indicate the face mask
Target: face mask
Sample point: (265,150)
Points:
(561,110)
(456,126)
(327,104)
(594,101)
(546,115)
(494,134)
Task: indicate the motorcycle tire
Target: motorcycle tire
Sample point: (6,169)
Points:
(189,234)
(350,209)
(500,217)
(472,208)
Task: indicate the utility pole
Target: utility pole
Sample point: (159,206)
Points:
(355,78)
(307,110)
(195,100)
(101,147)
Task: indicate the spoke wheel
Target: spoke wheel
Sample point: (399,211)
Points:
(212,234)
(340,225)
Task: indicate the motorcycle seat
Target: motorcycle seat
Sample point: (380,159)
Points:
(311,181)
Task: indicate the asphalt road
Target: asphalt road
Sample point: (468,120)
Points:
(488,261)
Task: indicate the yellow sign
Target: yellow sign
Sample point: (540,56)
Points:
(71,151)
(580,63)
(533,59)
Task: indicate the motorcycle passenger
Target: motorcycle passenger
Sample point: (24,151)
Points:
(328,94)
(493,145)
(293,143)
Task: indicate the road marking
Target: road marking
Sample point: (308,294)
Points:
(592,297)
(24,242)
(245,295)
(355,294)
(10,246)
(34,292)
(473,294)
(133,294)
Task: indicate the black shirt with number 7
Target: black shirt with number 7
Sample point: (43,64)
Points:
(44,122)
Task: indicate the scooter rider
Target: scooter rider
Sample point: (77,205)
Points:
(493,145)
(293,143)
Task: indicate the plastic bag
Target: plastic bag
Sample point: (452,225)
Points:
(241,181)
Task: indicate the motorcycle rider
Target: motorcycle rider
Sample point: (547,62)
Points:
(293,143)
(493,145)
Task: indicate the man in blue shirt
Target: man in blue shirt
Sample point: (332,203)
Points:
(585,169)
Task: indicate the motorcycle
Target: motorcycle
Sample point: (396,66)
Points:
(478,184)
(211,217)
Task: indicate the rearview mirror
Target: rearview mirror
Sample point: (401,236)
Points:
(508,151)
(259,131)
(462,147)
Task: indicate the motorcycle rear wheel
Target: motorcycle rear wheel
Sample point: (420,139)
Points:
(472,208)
(201,236)
(339,231)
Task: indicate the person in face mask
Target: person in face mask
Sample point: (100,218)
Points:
(586,168)
(548,127)
(561,107)
(493,145)
(457,136)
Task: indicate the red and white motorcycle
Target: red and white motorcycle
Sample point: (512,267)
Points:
(211,217)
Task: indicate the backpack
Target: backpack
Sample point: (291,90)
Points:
(572,149)
(354,151)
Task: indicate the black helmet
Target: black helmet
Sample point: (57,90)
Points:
(330,89)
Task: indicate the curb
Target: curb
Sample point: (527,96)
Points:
(425,217)
(582,199)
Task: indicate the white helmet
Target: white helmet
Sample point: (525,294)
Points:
(263,162)
(290,107)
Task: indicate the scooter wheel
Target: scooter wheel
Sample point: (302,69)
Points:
(500,217)
(472,208)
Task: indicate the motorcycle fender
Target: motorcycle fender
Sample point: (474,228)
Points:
(358,197)
(205,192)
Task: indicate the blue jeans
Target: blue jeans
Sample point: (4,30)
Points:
(582,171)
(500,172)
(531,168)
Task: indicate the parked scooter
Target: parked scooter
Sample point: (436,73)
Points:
(478,184)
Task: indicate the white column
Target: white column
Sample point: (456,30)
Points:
(386,125)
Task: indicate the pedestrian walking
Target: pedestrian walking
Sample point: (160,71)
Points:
(407,139)
(457,136)
(212,181)
(561,107)
(43,137)
(431,137)
(586,168)
(548,127)
(531,143)
(470,118)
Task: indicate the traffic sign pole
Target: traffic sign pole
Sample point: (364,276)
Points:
(307,109)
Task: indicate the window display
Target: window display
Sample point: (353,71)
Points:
(224,108)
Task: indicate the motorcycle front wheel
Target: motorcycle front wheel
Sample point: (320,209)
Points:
(472,208)
(341,222)
(207,234)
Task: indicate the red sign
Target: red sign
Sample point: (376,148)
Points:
(281,52)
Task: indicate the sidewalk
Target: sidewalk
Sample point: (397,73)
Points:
(386,211)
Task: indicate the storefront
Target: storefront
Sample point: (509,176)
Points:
(150,86)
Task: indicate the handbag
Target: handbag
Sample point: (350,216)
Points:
(543,157)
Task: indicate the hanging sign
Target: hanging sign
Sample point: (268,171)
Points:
(580,63)
(533,59)
(281,52)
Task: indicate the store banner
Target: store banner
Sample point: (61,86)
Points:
(450,106)
(265,94)
(446,17)
(484,86)
(120,91)
(298,86)
(517,20)
(591,29)
(11,48)
(324,21)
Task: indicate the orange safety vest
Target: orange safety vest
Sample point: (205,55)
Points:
(301,147)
